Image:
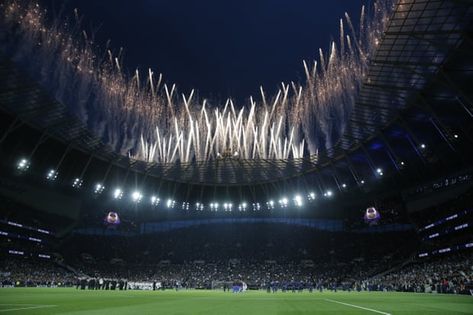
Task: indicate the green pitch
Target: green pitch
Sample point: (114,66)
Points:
(72,301)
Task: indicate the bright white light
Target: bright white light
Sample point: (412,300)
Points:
(329,193)
(423,146)
(136,196)
(77,183)
(362,182)
(311,196)
(170,203)
(51,175)
(298,201)
(23,165)
(117,193)
(98,189)
(155,200)
(344,185)
(402,163)
(455,136)
(283,202)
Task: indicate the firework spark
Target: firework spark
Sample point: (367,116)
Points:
(144,117)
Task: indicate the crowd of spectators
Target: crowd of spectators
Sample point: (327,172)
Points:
(449,274)
(280,242)
(32,273)
(256,274)
(265,257)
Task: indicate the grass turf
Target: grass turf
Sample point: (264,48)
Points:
(72,301)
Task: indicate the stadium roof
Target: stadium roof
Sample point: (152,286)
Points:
(414,110)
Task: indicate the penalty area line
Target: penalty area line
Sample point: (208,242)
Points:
(24,308)
(356,306)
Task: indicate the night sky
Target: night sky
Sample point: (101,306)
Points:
(223,48)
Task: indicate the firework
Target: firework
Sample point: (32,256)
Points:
(145,118)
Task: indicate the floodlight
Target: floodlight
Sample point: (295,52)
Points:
(51,175)
(136,196)
(117,193)
(23,164)
(99,188)
(155,200)
(77,183)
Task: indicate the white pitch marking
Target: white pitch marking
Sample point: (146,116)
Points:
(356,306)
(24,308)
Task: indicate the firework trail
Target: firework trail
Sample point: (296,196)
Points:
(142,116)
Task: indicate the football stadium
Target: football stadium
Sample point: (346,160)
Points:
(311,157)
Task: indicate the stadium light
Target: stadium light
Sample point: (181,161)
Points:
(344,185)
(23,164)
(362,182)
(136,196)
(51,175)
(270,204)
(328,194)
(423,146)
(227,206)
(155,200)
(118,193)
(455,136)
(379,171)
(283,202)
(170,203)
(99,188)
(311,196)
(77,183)
(298,201)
